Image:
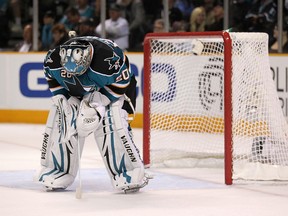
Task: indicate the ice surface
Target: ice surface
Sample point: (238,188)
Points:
(173,191)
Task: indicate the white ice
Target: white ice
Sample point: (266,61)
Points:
(172,191)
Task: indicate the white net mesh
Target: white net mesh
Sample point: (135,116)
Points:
(187,105)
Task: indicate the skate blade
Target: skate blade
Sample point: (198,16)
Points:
(51,189)
(137,188)
(131,190)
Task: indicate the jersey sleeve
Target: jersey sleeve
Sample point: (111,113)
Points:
(54,87)
(110,70)
(51,67)
(116,89)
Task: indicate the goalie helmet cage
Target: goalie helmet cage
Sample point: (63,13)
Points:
(212,95)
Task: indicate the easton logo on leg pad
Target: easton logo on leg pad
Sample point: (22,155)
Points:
(128,149)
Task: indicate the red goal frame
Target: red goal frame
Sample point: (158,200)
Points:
(227,94)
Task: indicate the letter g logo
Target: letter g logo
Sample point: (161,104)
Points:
(32,80)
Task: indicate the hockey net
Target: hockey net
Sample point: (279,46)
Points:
(210,100)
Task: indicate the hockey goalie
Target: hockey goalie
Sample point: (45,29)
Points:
(93,91)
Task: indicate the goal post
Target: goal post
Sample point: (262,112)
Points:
(210,97)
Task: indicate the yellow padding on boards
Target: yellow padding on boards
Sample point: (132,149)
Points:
(40,117)
(23,116)
(206,124)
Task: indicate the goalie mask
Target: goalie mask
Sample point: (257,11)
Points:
(76,57)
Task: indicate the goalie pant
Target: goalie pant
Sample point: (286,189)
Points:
(59,161)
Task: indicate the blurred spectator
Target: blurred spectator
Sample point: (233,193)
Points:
(197,3)
(159,26)
(262,17)
(85,10)
(274,47)
(246,15)
(46,34)
(179,26)
(153,10)
(57,7)
(238,12)
(135,15)
(26,44)
(4,24)
(197,20)
(218,24)
(174,13)
(285,47)
(47,5)
(208,6)
(116,27)
(16,8)
(71,19)
(185,6)
(60,35)
(97,9)
(87,28)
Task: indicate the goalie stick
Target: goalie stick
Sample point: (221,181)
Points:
(79,188)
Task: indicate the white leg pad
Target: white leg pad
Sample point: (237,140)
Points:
(120,155)
(59,157)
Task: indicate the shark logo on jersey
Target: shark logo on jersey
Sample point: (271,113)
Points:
(113,61)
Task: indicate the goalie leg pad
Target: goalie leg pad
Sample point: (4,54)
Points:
(64,163)
(59,153)
(121,156)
